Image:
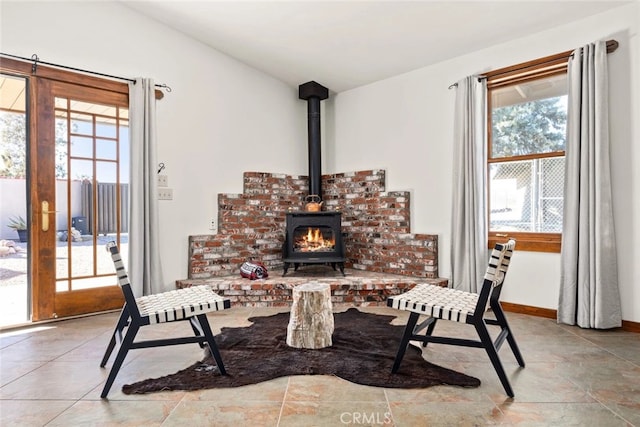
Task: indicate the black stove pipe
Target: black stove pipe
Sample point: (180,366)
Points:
(313,93)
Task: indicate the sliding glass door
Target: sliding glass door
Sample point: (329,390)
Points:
(76,190)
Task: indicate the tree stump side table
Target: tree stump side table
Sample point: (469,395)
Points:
(311,320)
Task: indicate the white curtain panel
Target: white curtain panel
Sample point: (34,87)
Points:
(469,234)
(145,271)
(589,294)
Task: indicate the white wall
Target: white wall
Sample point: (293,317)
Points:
(221,119)
(405,125)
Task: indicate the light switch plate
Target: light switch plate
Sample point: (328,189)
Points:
(165,193)
(163,181)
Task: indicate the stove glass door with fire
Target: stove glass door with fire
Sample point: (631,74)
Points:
(314,239)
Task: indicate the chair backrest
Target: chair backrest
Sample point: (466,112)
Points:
(123,279)
(496,272)
(499,262)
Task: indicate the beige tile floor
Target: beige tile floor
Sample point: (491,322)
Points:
(49,376)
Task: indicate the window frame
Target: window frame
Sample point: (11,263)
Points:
(537,69)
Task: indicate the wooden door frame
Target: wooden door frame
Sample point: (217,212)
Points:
(43,262)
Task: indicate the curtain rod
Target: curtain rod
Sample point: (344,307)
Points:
(612,45)
(34,58)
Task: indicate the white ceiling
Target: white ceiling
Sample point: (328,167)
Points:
(345,44)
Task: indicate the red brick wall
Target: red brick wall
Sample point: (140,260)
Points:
(375,223)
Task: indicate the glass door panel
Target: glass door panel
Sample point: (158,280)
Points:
(91,199)
(15,307)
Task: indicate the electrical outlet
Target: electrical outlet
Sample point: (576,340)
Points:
(165,193)
(163,181)
(212,224)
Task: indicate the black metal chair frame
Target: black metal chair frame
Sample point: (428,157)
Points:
(132,320)
(488,297)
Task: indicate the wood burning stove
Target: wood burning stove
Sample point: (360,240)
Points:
(313,238)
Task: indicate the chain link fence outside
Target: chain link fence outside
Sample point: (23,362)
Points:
(527,195)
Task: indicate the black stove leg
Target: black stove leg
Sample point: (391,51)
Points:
(286,268)
(341,266)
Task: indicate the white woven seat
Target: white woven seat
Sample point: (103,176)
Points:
(180,304)
(191,304)
(465,307)
(436,301)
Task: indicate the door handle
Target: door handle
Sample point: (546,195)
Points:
(45,215)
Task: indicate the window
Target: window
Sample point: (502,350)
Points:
(527,107)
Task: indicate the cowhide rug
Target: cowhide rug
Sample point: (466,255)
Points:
(363,350)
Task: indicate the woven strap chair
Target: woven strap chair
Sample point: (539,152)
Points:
(440,303)
(187,304)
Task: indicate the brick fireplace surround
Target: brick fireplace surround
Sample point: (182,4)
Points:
(383,257)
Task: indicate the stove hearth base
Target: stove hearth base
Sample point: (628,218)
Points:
(339,262)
